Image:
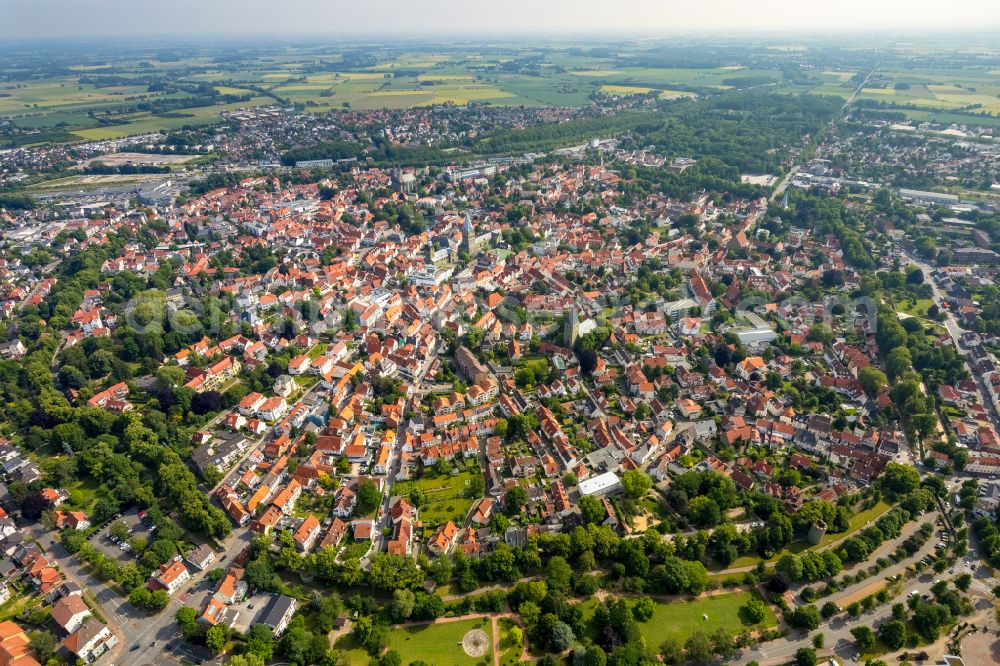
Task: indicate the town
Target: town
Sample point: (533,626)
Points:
(696,378)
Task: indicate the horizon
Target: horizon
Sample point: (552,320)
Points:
(40,20)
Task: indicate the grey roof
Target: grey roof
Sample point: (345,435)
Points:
(275,611)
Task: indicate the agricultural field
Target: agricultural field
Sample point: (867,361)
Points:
(940,95)
(321,78)
(719,78)
(623,91)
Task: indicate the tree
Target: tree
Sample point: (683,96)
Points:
(704,511)
(402,605)
(865,638)
(872,379)
(963,581)
(805,656)
(805,617)
(643,609)
(929,618)
(698,648)
(562,636)
(636,483)
(245,660)
(828,610)
(515,498)
(671,651)
(45,645)
(900,479)
(588,361)
(595,656)
(818,641)
(893,634)
(368,497)
(215,639)
(722,642)
(187,620)
(119,530)
(559,574)
(591,510)
(390,658)
(260,641)
(755,611)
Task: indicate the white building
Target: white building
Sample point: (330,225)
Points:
(600,485)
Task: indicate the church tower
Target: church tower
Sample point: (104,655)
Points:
(468,235)
(571,331)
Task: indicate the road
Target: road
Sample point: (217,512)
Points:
(955,331)
(106,599)
(839,640)
(383,520)
(153,634)
(135,629)
(786,180)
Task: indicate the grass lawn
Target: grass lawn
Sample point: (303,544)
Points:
(82,494)
(352,653)
(856,522)
(355,550)
(439,644)
(680,619)
(444,497)
(510,652)
(916,308)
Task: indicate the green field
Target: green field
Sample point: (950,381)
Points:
(445,497)
(107,94)
(143,123)
(439,644)
(856,522)
(680,619)
(78,100)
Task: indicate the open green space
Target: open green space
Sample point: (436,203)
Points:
(856,522)
(439,644)
(445,496)
(679,619)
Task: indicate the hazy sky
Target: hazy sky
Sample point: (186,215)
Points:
(82,18)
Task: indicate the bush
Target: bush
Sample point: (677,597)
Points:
(755,610)
(805,657)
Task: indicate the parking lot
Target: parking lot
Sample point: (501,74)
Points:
(103,541)
(248,610)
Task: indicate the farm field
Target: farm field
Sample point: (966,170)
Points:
(75,103)
(720,78)
(972,90)
(145,123)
